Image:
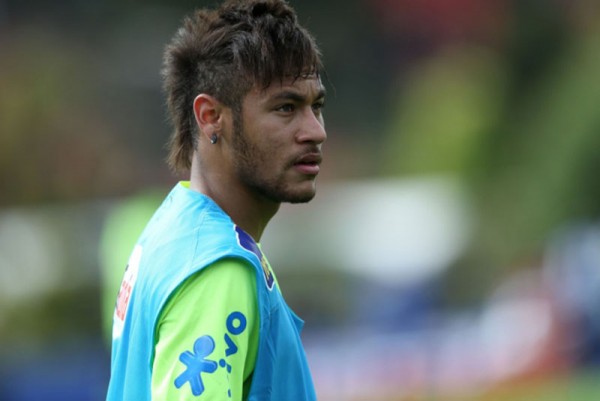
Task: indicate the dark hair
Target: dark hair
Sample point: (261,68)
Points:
(225,53)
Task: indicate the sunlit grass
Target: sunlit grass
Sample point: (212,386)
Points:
(583,386)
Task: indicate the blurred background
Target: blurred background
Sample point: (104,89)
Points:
(453,249)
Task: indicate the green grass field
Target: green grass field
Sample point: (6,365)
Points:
(581,386)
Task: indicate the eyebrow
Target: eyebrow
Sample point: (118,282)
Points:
(296,97)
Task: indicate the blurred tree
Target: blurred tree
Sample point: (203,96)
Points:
(519,124)
(545,174)
(449,103)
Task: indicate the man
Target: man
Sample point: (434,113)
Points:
(199,315)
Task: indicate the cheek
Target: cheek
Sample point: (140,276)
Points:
(271,143)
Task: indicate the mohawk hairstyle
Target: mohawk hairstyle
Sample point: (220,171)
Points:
(225,53)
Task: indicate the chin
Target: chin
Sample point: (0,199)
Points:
(291,196)
(300,196)
(288,193)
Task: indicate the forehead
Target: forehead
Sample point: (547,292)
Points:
(309,87)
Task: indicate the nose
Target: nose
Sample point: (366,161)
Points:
(312,128)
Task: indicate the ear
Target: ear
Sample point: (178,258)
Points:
(209,115)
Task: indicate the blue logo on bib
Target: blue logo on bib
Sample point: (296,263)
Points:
(246,242)
(197,363)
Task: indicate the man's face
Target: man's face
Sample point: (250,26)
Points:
(277,148)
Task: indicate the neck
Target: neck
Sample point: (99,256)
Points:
(249,211)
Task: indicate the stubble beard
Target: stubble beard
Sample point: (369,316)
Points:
(249,160)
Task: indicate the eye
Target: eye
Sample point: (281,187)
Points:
(318,106)
(286,108)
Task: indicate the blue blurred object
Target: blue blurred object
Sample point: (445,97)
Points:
(67,370)
(572,266)
(397,308)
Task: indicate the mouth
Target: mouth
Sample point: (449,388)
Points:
(308,164)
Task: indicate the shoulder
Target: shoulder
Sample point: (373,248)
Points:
(214,316)
(226,275)
(207,298)
(222,295)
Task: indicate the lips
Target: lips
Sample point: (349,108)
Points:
(309,163)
